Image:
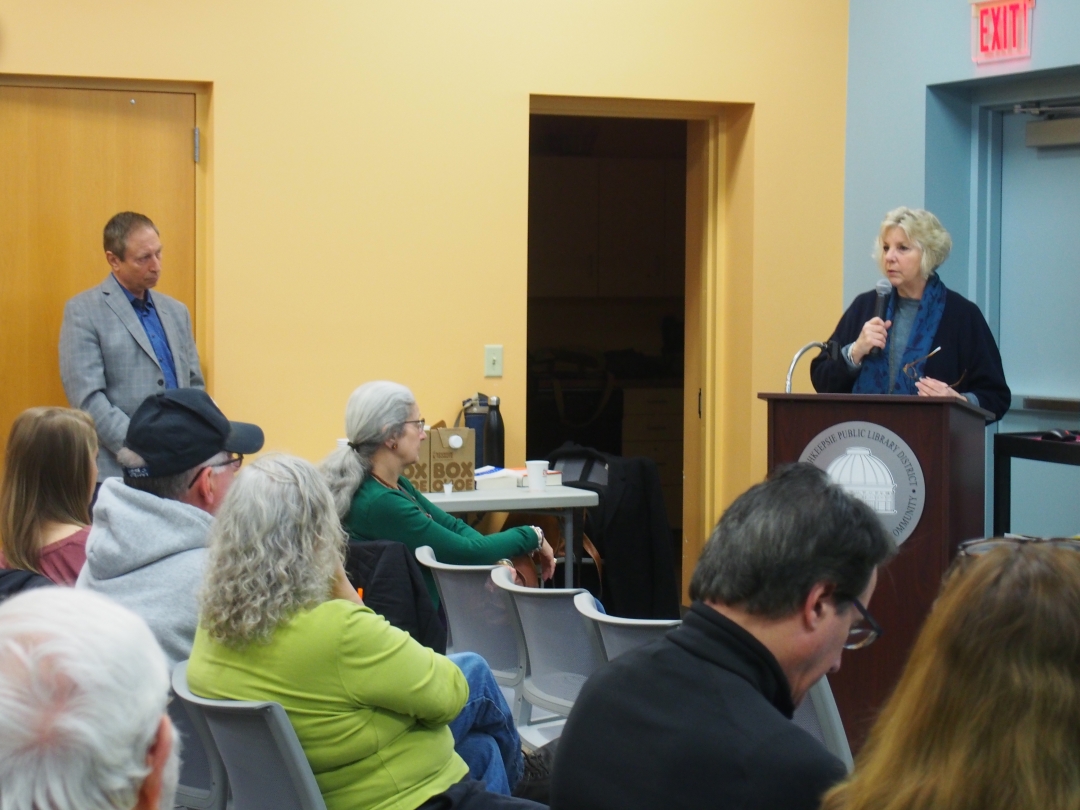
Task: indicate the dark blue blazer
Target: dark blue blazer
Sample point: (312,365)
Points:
(968,353)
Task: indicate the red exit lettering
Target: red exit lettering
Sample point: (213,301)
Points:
(1001,29)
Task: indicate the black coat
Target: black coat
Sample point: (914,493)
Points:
(13,581)
(699,719)
(394,588)
(630,529)
(967,349)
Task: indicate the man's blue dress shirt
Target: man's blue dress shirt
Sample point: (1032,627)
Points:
(148,316)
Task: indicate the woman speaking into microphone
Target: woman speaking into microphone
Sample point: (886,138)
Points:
(931,341)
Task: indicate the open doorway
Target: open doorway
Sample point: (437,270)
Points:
(607,291)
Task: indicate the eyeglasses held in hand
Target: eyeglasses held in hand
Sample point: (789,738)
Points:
(912,371)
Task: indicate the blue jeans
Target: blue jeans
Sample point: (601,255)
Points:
(484,732)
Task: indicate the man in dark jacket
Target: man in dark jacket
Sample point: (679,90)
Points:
(702,718)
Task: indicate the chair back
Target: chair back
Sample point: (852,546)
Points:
(618,635)
(203,784)
(818,716)
(266,766)
(561,653)
(479,615)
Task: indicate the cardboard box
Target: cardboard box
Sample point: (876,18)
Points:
(419,474)
(448,463)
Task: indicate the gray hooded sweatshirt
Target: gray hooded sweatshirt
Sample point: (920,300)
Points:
(148,554)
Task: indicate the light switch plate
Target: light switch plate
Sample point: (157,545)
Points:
(493,356)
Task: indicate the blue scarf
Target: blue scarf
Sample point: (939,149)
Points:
(874,376)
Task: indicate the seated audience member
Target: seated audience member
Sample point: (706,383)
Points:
(49,476)
(147,547)
(377,713)
(986,715)
(702,718)
(375,501)
(83,691)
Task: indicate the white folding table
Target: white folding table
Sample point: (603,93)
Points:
(563,500)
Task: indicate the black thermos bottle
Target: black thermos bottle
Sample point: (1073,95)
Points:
(494,435)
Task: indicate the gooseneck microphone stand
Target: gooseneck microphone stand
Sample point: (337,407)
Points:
(832,347)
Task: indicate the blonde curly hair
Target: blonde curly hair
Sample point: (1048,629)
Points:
(274,549)
(922,228)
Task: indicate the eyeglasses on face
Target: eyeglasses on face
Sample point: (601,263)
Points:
(864,631)
(974,548)
(418,422)
(235,462)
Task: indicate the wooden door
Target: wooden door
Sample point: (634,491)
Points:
(69,160)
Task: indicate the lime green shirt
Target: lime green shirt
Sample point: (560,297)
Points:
(405,515)
(369,704)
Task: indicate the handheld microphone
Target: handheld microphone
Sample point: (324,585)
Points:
(884,290)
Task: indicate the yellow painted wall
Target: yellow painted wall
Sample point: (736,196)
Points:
(368,188)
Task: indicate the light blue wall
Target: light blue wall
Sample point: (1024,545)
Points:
(920,122)
(896,50)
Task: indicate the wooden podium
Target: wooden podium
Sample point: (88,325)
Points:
(947,436)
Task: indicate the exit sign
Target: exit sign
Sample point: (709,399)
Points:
(1001,29)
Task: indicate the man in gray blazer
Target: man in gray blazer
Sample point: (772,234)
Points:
(119,345)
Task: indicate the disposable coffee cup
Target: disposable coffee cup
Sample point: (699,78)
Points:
(537,471)
(448,487)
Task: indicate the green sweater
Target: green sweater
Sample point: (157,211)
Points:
(369,704)
(381,513)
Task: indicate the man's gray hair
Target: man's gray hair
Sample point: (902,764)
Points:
(376,411)
(275,547)
(785,535)
(169,487)
(83,689)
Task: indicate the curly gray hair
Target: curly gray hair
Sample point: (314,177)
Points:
(922,228)
(275,547)
(376,411)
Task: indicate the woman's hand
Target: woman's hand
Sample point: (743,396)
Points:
(343,589)
(547,556)
(929,387)
(873,335)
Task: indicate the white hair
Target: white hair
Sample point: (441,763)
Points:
(83,689)
(275,547)
(376,411)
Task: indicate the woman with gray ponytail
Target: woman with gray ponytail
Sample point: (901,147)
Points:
(376,502)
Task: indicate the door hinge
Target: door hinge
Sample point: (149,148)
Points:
(196,144)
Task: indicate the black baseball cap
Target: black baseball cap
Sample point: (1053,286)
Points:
(180,429)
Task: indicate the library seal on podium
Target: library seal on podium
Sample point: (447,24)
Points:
(875,465)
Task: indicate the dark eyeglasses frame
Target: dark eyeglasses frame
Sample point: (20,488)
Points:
(418,422)
(978,546)
(872,633)
(237,461)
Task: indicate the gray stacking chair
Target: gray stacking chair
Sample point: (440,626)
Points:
(203,784)
(267,767)
(818,715)
(561,653)
(482,620)
(618,635)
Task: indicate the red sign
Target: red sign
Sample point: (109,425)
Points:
(1001,29)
